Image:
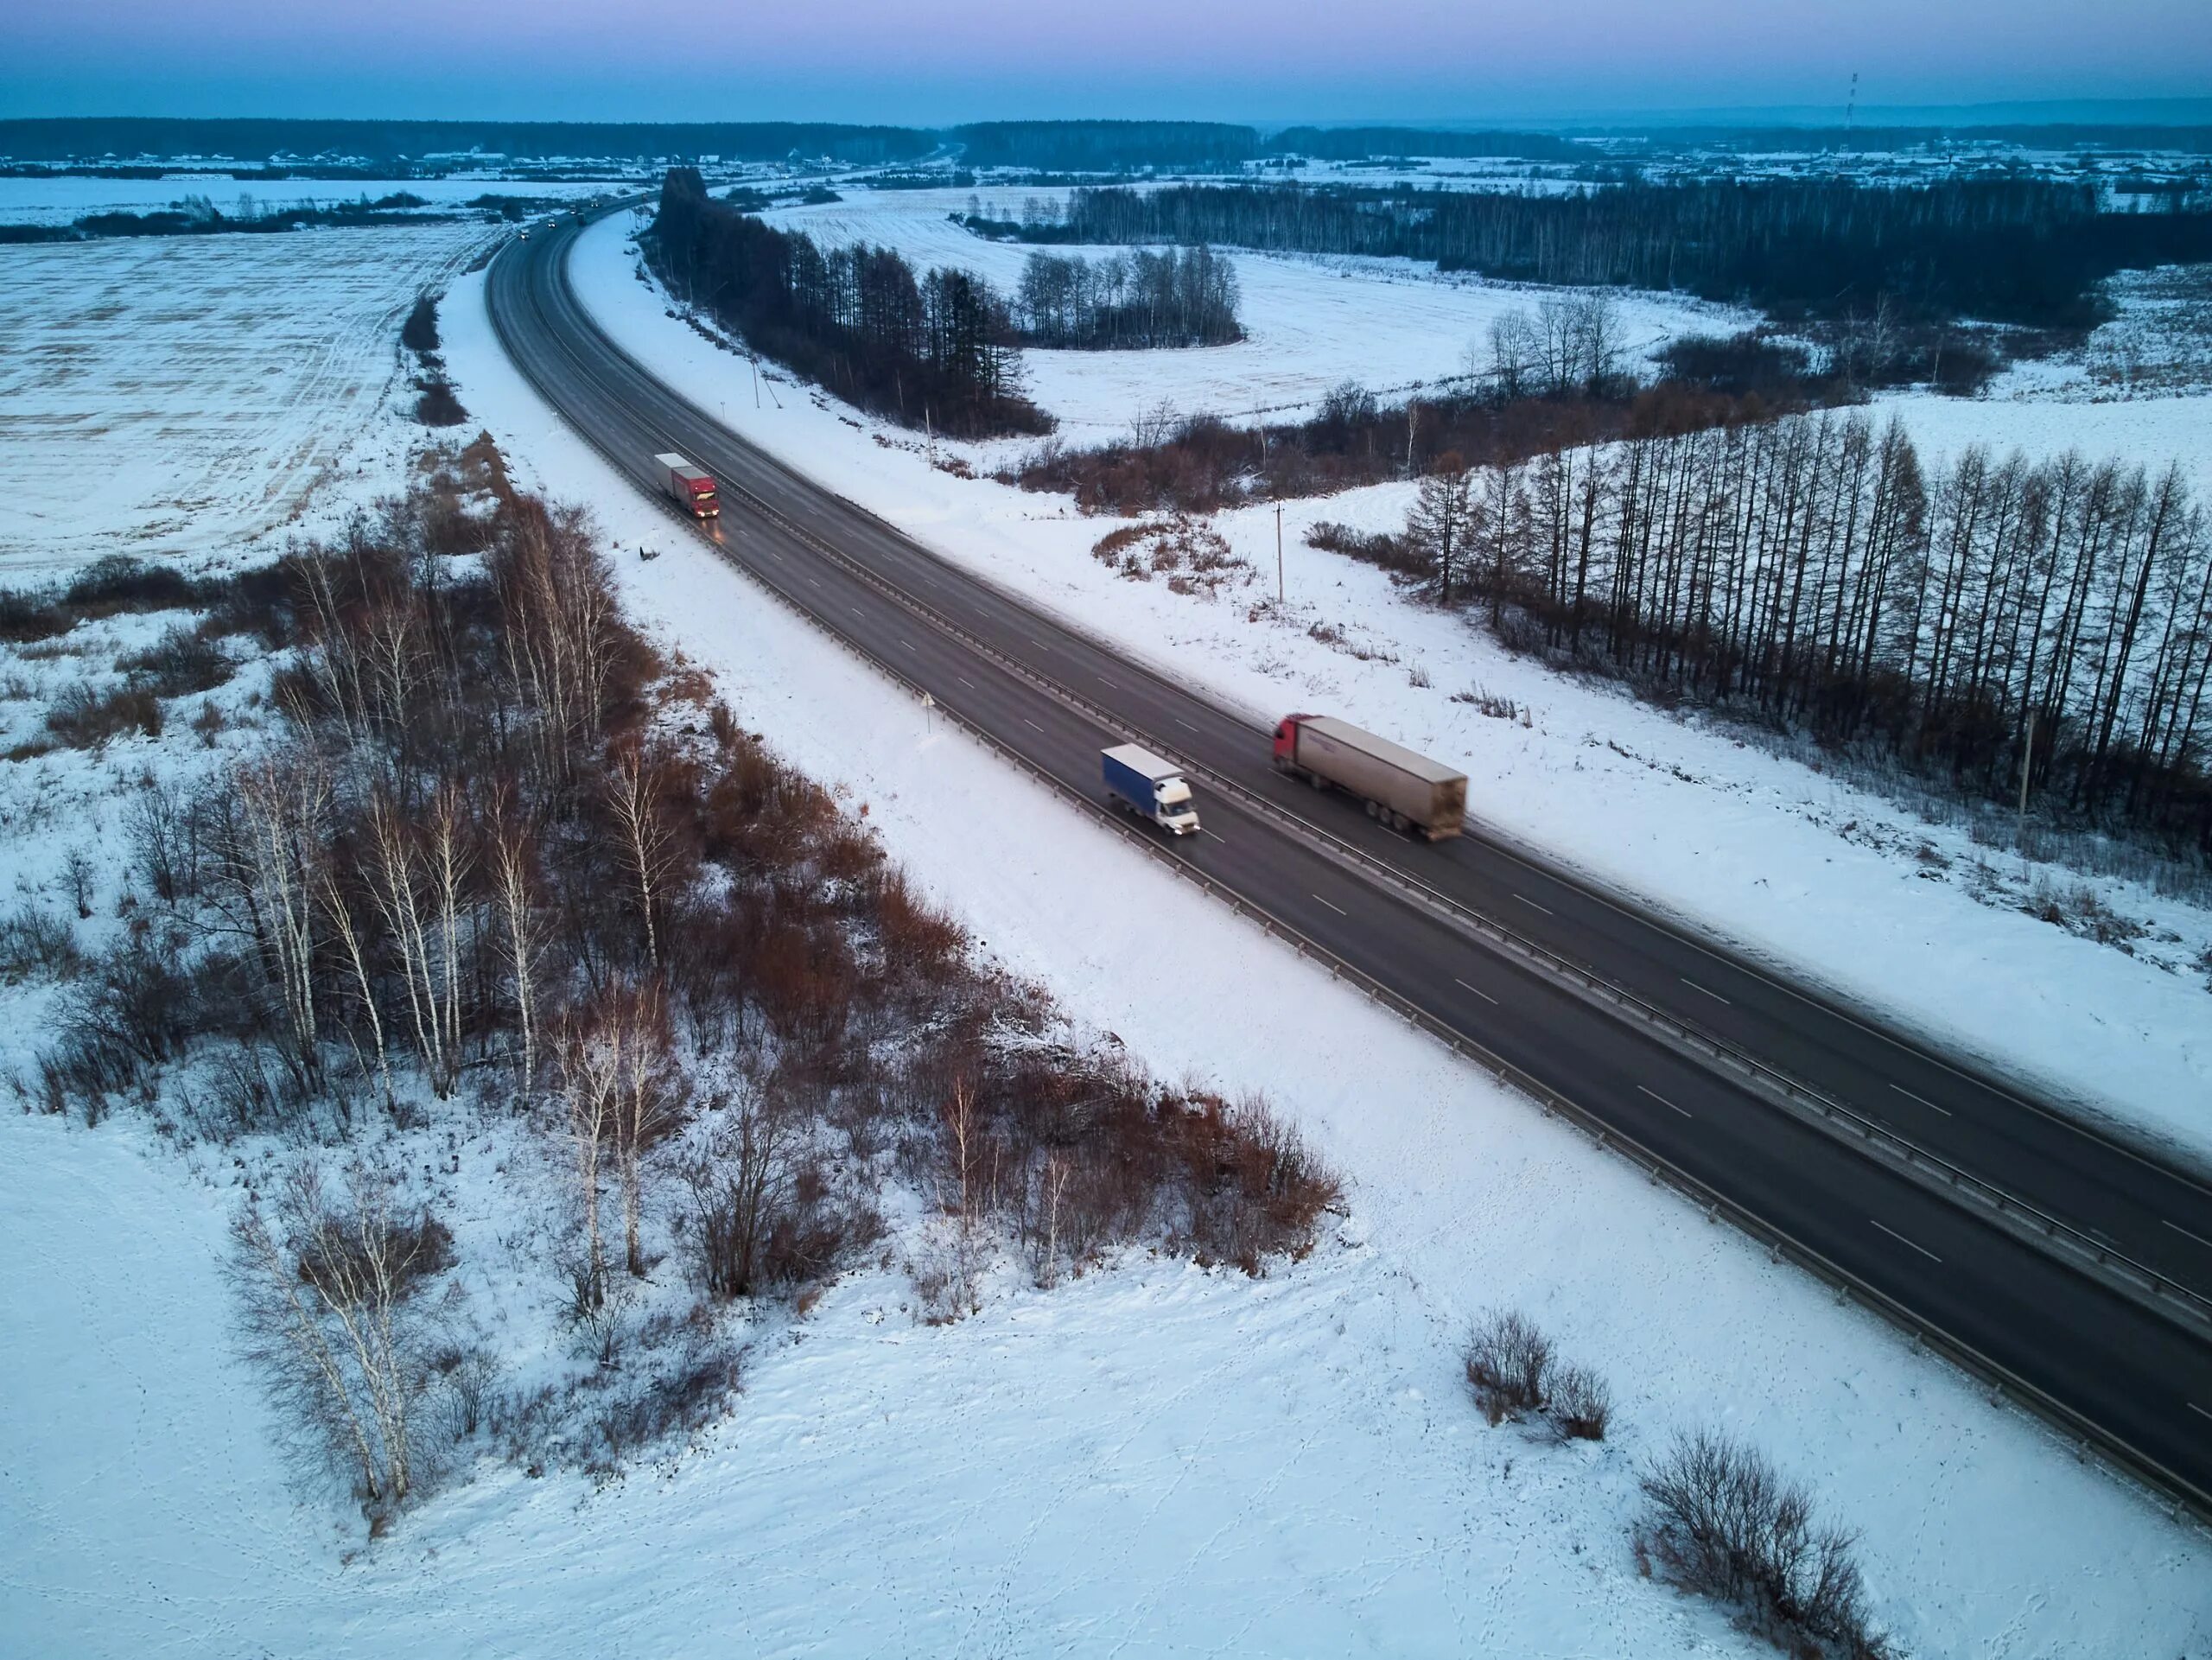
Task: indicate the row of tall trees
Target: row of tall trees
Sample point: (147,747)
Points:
(1129,301)
(1981,617)
(935,350)
(2024,250)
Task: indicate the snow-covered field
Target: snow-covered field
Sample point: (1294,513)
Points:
(1153,1458)
(61,200)
(179,396)
(1793,865)
(1310,324)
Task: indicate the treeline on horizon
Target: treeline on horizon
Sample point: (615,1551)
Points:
(1060,146)
(2014,250)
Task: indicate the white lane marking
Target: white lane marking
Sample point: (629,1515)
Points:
(1923,1099)
(857,612)
(1217,835)
(1530,903)
(1902,1240)
(910,647)
(1110,683)
(1031,724)
(812,583)
(1664,1101)
(1040,645)
(965,680)
(2186,1234)
(1185,724)
(1339,909)
(2197,1410)
(1478,990)
(1709,991)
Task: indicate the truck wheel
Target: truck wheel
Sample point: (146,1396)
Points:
(1374,809)
(1398,823)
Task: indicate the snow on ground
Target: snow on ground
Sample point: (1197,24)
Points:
(1791,864)
(1153,1458)
(60,199)
(171,397)
(1310,324)
(1350,1468)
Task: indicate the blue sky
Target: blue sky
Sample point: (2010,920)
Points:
(896,60)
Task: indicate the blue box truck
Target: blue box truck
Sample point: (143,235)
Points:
(1140,782)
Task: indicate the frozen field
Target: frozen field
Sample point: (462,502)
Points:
(1791,864)
(1309,324)
(180,396)
(60,200)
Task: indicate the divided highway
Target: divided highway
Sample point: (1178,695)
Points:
(1878,1163)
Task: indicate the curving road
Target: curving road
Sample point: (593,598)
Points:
(2069,1267)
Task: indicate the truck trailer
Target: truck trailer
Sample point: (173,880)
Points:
(1139,781)
(694,486)
(1406,791)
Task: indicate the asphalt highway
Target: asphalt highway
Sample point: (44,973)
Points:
(2115,1366)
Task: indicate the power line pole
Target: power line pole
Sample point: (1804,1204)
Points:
(1278,553)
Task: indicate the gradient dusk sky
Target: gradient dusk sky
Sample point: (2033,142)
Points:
(896,60)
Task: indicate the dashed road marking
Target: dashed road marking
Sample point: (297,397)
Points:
(1923,1099)
(1664,1101)
(1908,1244)
(1185,724)
(1031,724)
(1339,909)
(1708,990)
(1530,903)
(1106,681)
(965,680)
(2186,1234)
(2197,1410)
(1478,990)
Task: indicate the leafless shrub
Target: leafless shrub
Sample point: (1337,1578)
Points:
(468,1387)
(181,662)
(1489,702)
(1581,1405)
(31,942)
(84,719)
(1724,1523)
(738,1195)
(1508,1366)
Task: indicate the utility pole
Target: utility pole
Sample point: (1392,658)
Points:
(1278,553)
(755,362)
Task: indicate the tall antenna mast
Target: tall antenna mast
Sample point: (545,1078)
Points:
(1851,103)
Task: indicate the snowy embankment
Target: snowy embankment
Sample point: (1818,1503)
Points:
(1365,1509)
(184,397)
(1825,880)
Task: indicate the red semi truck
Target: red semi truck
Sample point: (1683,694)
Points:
(1406,791)
(694,486)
